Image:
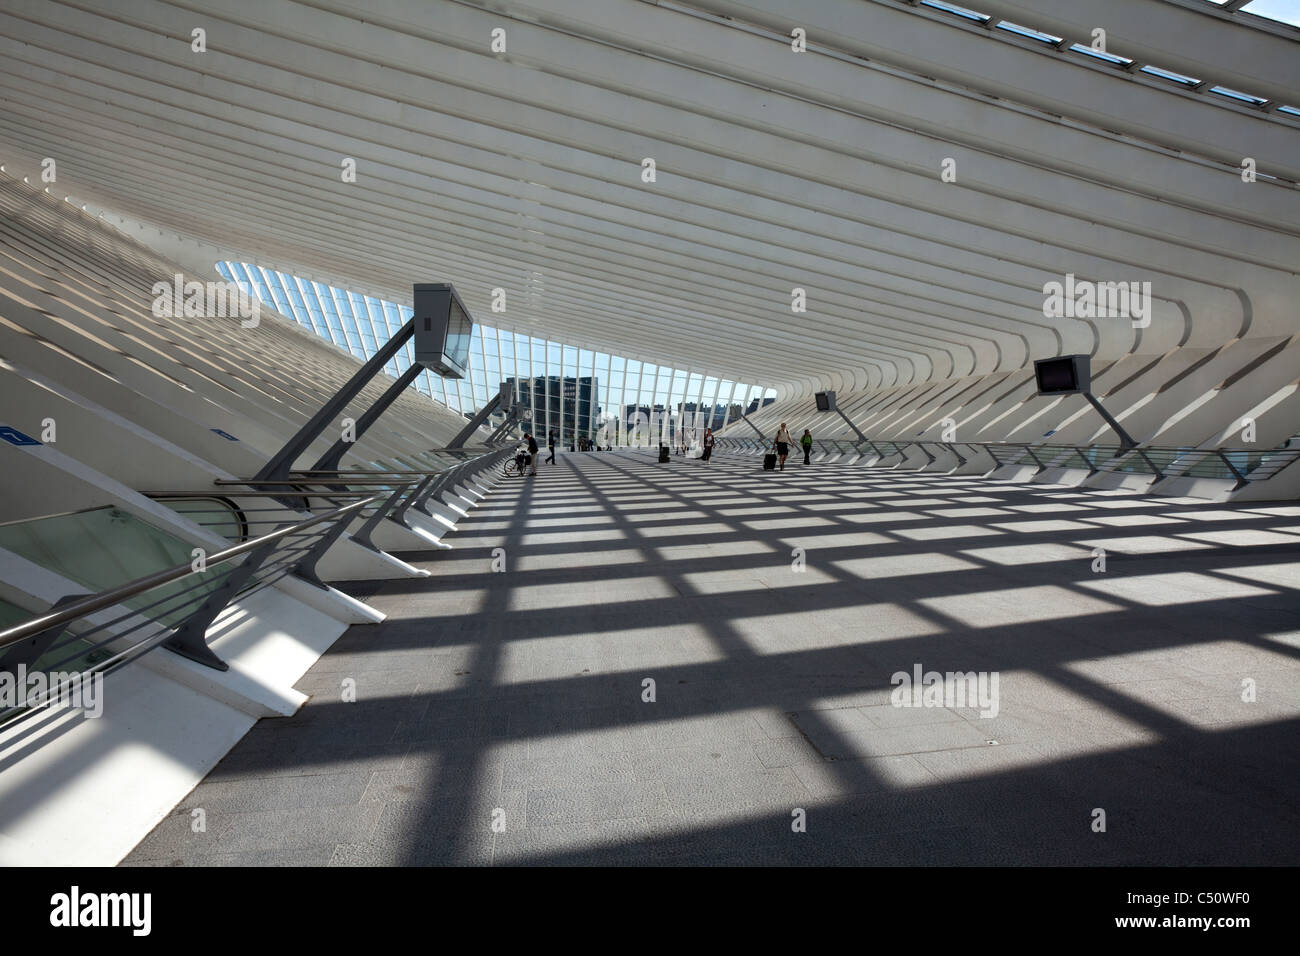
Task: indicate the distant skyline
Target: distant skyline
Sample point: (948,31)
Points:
(359,324)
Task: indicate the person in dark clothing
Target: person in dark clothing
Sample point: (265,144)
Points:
(532,452)
(550,443)
(806,442)
(708,443)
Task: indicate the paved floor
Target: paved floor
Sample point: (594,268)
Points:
(503,716)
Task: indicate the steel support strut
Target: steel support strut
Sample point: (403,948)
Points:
(277,469)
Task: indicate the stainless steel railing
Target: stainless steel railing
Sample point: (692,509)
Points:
(174,607)
(171,608)
(1240,465)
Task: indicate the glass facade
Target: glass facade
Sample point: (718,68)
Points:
(573,391)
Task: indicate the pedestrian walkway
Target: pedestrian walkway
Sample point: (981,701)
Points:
(626,662)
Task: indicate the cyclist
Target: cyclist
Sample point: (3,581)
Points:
(532,452)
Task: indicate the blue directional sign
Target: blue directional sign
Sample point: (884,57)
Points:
(14,437)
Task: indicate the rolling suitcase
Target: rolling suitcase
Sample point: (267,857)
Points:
(769,462)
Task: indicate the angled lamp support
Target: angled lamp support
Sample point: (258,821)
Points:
(517,415)
(440,327)
(475,423)
(849,421)
(1126,442)
(278,468)
(745,419)
(826,403)
(1072,375)
(330,460)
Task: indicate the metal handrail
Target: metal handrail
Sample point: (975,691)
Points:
(304,483)
(97,602)
(373,471)
(1160,461)
(180,619)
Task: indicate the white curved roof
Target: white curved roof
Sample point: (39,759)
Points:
(775,169)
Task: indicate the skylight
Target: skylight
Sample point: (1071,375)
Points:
(361,324)
(1234,94)
(1026,32)
(959,11)
(1284,11)
(1108,57)
(1171,75)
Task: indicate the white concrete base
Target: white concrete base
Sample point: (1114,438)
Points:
(456,503)
(385,567)
(945,462)
(914,459)
(79,791)
(331,601)
(441,515)
(468,493)
(1284,486)
(978,462)
(1013,473)
(427,530)
(1070,477)
(1211,489)
(1120,479)
(390,537)
(349,561)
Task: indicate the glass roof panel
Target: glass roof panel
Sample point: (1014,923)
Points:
(1108,57)
(347,321)
(959,11)
(1170,75)
(1284,11)
(1234,94)
(1027,32)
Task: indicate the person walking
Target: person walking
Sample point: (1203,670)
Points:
(550,443)
(533,452)
(783,443)
(806,441)
(708,444)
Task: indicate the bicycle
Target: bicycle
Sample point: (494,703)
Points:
(513,468)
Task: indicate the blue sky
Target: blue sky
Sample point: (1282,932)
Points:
(1288,11)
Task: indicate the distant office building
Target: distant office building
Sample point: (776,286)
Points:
(564,404)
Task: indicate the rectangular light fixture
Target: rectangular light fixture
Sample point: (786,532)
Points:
(1064,375)
(442,329)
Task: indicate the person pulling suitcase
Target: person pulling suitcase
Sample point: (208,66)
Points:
(783,443)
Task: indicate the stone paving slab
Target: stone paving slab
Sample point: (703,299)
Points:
(691,665)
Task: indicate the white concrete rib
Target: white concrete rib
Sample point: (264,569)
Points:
(776,169)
